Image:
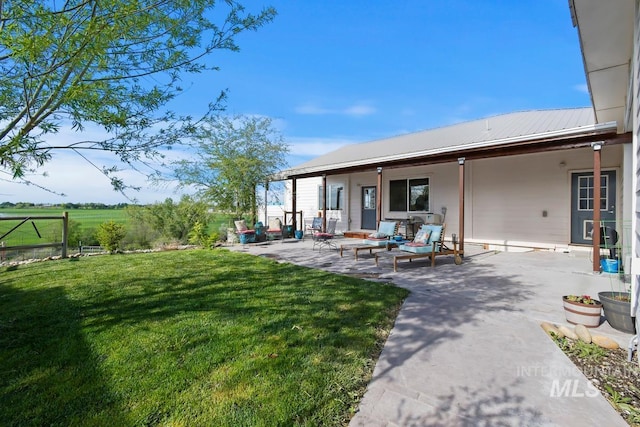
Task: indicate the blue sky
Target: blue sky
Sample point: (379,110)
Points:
(336,72)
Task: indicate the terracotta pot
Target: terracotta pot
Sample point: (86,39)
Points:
(578,313)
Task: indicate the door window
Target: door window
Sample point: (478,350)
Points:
(585,193)
(369,198)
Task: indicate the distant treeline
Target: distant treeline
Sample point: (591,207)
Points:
(27,205)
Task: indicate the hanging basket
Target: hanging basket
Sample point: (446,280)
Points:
(578,313)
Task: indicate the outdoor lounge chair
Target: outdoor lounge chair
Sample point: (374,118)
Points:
(325,239)
(381,239)
(428,243)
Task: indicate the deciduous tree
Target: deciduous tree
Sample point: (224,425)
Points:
(112,63)
(235,155)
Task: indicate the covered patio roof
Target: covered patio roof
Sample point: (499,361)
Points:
(502,135)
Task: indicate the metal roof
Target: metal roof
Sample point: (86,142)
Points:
(494,131)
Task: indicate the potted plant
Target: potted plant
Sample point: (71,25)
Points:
(582,310)
(617,310)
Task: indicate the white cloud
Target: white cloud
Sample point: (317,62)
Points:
(584,88)
(312,110)
(80,181)
(356,110)
(360,110)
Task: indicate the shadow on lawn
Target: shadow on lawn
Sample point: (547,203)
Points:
(48,373)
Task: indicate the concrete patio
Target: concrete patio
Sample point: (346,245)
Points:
(467,348)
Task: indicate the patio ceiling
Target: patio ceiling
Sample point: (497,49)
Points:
(605,30)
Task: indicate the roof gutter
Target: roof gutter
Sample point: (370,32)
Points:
(594,130)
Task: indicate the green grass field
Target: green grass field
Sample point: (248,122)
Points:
(213,338)
(47,231)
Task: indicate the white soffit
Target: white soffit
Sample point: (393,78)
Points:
(605,29)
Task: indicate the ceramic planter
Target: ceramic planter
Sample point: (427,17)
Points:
(617,310)
(578,313)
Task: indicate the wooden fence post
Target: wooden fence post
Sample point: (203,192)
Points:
(65,233)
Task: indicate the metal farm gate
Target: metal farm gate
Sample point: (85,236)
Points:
(31,236)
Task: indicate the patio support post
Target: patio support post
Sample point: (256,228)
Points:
(597,151)
(461,203)
(324,203)
(379,198)
(294,197)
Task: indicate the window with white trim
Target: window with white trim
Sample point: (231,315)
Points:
(335,197)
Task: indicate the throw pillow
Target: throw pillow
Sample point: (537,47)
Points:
(422,236)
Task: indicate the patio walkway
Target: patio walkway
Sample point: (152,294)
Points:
(467,348)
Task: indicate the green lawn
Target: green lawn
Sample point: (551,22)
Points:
(186,338)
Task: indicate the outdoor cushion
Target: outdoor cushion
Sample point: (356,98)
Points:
(377,235)
(422,236)
(241,225)
(387,228)
(375,242)
(275,225)
(436,232)
(324,235)
(417,248)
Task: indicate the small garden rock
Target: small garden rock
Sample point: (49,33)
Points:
(583,333)
(568,332)
(549,328)
(605,342)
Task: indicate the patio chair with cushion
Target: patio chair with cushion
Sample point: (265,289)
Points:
(275,229)
(428,243)
(314,227)
(245,235)
(381,239)
(325,239)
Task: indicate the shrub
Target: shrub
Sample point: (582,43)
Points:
(110,234)
(198,236)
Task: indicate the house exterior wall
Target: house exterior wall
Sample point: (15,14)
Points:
(507,197)
(635,130)
(504,197)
